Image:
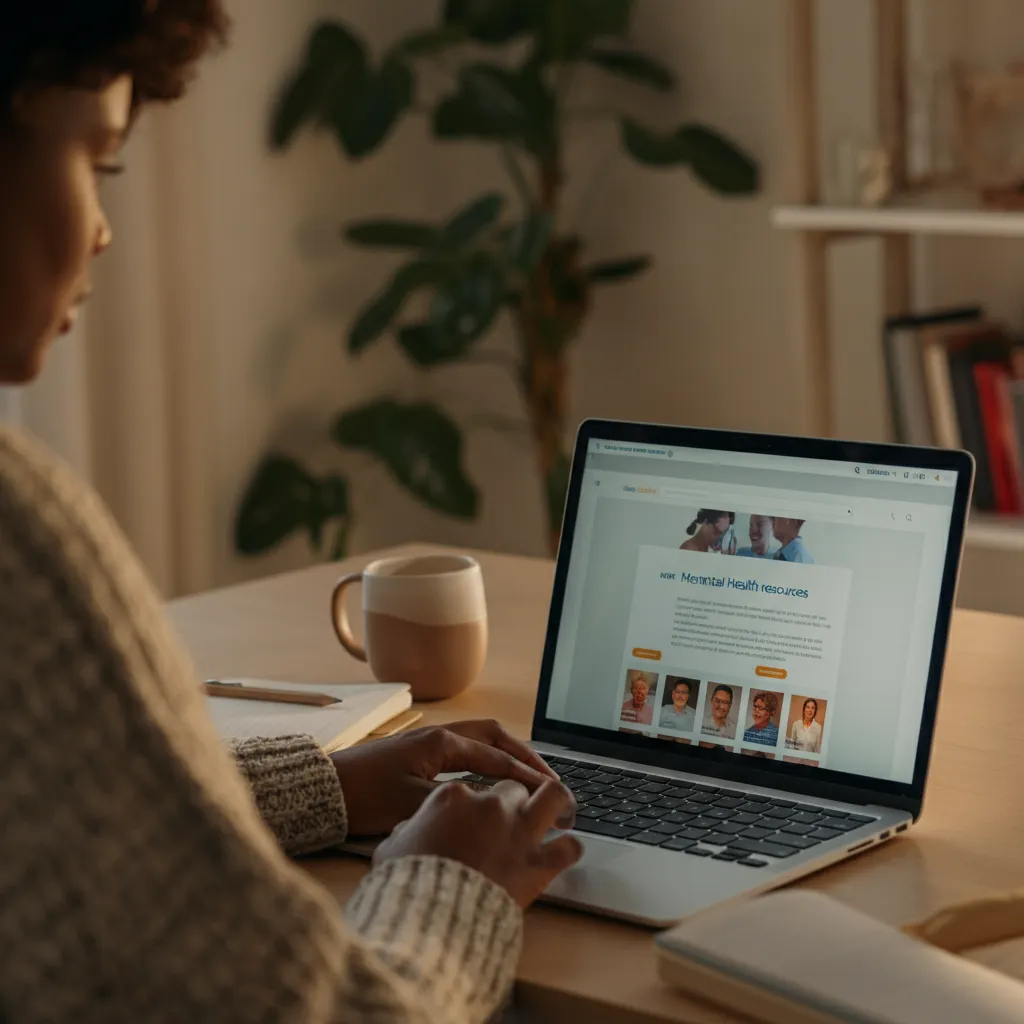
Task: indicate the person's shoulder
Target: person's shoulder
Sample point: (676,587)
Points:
(745,553)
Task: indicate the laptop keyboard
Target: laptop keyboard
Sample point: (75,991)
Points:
(723,823)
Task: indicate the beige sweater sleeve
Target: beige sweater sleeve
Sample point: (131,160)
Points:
(137,881)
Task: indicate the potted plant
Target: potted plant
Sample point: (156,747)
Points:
(513,65)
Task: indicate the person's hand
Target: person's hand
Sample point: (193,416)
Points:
(732,546)
(386,781)
(500,832)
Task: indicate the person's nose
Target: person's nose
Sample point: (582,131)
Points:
(104,236)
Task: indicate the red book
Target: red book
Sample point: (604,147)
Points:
(989,378)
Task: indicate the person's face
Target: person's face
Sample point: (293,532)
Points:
(760,533)
(61,143)
(680,696)
(761,714)
(712,532)
(639,690)
(721,704)
(785,529)
(810,710)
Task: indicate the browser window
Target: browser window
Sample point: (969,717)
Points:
(776,607)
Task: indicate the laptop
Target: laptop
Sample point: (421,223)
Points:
(743,657)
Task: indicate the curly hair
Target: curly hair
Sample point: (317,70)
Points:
(771,701)
(87,43)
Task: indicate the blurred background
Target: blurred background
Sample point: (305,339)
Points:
(222,327)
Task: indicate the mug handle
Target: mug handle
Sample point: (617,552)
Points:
(339,616)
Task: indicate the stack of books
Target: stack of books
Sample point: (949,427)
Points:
(956,380)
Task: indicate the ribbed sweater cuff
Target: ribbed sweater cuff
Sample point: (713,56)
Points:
(447,929)
(296,789)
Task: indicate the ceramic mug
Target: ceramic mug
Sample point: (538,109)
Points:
(424,622)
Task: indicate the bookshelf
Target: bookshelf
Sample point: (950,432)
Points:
(947,212)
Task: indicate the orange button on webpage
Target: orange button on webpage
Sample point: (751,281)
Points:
(645,654)
(769,672)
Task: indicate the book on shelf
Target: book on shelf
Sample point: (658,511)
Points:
(956,380)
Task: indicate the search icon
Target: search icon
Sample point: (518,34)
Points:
(909,519)
(856,469)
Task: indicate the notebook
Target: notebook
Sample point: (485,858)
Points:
(364,709)
(802,958)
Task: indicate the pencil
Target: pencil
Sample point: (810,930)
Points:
(237,691)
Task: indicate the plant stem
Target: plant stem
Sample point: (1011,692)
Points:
(515,172)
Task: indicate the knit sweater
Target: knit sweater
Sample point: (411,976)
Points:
(139,879)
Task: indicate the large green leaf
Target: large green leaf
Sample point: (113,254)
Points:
(526,241)
(493,22)
(471,221)
(392,234)
(716,161)
(429,42)
(378,315)
(283,497)
(618,270)
(334,66)
(372,108)
(420,445)
(568,27)
(635,66)
(719,163)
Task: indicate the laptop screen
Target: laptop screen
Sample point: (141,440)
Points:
(776,607)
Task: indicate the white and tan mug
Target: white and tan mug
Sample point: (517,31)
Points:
(424,622)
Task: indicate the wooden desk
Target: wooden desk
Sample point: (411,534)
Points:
(576,967)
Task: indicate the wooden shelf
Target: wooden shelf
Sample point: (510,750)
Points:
(952,212)
(1004,533)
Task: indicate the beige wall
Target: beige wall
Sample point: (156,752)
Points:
(709,337)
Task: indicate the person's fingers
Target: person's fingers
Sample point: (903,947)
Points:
(549,807)
(461,754)
(561,853)
(491,732)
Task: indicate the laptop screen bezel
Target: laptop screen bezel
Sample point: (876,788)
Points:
(811,781)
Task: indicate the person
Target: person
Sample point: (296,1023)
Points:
(678,714)
(720,721)
(707,531)
(145,873)
(787,533)
(761,537)
(806,731)
(636,707)
(762,729)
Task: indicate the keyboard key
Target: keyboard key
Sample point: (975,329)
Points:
(590,812)
(806,818)
(654,787)
(732,793)
(757,833)
(746,819)
(610,770)
(763,846)
(691,808)
(632,775)
(619,793)
(677,818)
(645,798)
(797,842)
(698,851)
(678,843)
(630,806)
(608,780)
(648,838)
(728,855)
(706,823)
(798,830)
(690,833)
(751,808)
(700,788)
(773,823)
(665,804)
(782,803)
(606,802)
(836,814)
(843,824)
(825,834)
(778,812)
(757,798)
(810,809)
(617,817)
(721,813)
(729,801)
(666,828)
(862,819)
(585,773)
(753,862)
(680,791)
(730,828)
(628,780)
(702,798)
(719,839)
(648,813)
(594,788)
(605,828)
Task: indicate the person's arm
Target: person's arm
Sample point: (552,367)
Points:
(138,881)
